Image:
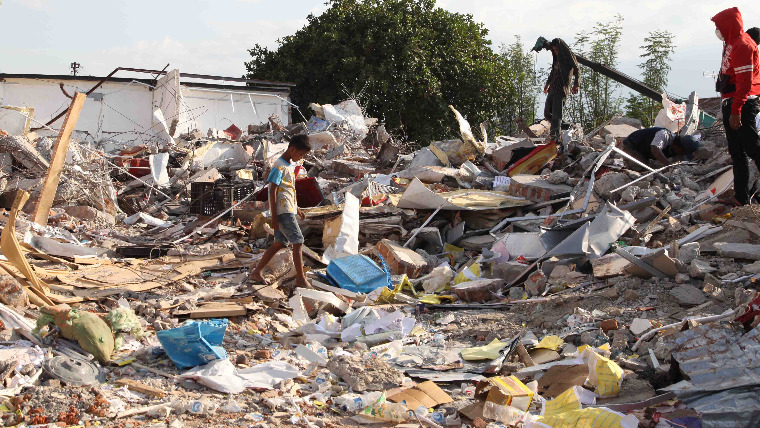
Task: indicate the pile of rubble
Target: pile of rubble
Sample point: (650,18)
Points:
(472,282)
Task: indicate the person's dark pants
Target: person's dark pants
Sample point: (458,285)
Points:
(743,145)
(553,113)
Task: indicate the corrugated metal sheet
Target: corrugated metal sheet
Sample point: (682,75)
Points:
(718,357)
(723,364)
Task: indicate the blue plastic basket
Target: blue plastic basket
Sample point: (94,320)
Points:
(359,273)
(195,343)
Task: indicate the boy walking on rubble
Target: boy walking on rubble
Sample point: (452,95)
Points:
(283,209)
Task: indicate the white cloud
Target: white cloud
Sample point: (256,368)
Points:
(222,53)
(33,4)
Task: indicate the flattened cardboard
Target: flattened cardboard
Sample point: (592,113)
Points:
(505,391)
(426,394)
(558,379)
(541,355)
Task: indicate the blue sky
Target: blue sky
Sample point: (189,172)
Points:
(211,37)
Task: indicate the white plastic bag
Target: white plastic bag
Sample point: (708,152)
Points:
(672,116)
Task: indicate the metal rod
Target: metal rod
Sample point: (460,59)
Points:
(645,176)
(624,154)
(416,231)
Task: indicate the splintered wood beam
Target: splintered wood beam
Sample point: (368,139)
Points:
(61,147)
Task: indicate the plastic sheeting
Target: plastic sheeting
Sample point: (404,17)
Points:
(593,239)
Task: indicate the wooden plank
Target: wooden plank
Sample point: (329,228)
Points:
(136,386)
(609,266)
(218,311)
(640,263)
(61,147)
(12,250)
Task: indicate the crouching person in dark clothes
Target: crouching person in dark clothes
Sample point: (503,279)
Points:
(660,144)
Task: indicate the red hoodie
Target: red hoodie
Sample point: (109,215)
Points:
(740,58)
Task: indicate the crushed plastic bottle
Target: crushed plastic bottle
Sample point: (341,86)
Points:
(196,407)
(356,402)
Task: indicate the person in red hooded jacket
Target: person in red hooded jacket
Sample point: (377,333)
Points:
(739,85)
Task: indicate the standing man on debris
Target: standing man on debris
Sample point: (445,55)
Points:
(739,85)
(283,209)
(557,88)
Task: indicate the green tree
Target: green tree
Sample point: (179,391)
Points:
(408,58)
(598,99)
(658,48)
(523,93)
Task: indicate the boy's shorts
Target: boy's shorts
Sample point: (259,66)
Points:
(288,232)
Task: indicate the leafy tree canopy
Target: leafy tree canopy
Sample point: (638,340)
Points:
(406,60)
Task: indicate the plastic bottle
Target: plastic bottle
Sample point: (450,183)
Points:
(439,340)
(196,407)
(468,390)
(356,402)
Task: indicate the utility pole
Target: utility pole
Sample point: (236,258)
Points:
(75,66)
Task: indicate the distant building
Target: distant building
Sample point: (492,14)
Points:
(123,109)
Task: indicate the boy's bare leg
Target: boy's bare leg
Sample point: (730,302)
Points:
(301,280)
(265,259)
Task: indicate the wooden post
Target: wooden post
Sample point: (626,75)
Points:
(61,147)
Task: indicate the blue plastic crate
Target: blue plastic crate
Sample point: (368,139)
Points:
(358,273)
(195,343)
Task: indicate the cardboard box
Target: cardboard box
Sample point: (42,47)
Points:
(426,394)
(505,391)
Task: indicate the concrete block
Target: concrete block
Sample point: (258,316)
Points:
(478,291)
(12,293)
(608,182)
(536,283)
(609,265)
(688,252)
(688,295)
(90,214)
(619,131)
(508,271)
(352,168)
(536,189)
(699,268)
(738,251)
(639,326)
(401,260)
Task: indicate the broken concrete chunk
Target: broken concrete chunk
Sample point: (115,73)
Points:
(738,251)
(688,295)
(753,268)
(639,326)
(699,268)
(479,290)
(24,153)
(618,131)
(11,292)
(605,184)
(90,213)
(536,283)
(401,260)
(535,188)
(688,252)
(558,177)
(516,293)
(371,374)
(630,193)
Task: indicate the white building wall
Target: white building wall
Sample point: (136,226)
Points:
(122,112)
